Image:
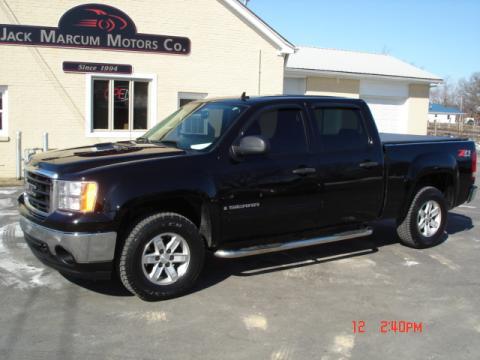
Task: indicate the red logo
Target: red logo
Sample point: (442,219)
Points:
(105,21)
(463,153)
(120,94)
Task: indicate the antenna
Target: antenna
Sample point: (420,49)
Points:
(244,96)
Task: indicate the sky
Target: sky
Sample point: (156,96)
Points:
(439,36)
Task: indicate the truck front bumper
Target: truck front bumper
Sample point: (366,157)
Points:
(80,254)
(472,193)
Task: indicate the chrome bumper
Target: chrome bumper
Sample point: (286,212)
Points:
(84,247)
(472,194)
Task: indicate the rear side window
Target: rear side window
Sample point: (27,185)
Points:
(340,129)
(283,128)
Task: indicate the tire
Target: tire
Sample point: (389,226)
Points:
(148,270)
(417,234)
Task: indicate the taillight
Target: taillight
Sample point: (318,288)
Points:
(474,162)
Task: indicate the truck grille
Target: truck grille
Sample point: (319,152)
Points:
(38,189)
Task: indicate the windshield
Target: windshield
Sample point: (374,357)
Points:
(195,126)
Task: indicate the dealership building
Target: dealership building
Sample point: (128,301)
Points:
(89,73)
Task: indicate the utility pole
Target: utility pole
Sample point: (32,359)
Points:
(461,111)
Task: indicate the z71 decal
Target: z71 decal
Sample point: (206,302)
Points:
(463,153)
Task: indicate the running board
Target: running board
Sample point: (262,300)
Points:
(269,248)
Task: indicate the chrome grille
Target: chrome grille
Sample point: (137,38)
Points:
(38,190)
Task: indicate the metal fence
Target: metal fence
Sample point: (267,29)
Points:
(455,130)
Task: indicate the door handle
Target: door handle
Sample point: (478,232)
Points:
(368,164)
(304,171)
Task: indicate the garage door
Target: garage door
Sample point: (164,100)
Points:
(390,114)
(294,86)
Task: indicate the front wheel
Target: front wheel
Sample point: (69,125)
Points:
(162,257)
(424,225)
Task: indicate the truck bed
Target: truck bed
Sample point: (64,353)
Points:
(387,138)
(407,156)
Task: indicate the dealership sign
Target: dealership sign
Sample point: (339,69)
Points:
(94,26)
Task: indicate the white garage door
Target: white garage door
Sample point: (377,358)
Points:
(294,86)
(389,113)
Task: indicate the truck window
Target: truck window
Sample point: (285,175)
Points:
(196,126)
(340,129)
(283,128)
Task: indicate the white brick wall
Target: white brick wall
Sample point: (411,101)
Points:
(224,61)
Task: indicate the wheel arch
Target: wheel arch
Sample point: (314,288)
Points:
(439,170)
(194,206)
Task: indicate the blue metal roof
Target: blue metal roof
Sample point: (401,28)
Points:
(440,109)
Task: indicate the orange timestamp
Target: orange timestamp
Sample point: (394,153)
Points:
(390,327)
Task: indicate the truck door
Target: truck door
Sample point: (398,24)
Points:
(349,160)
(271,193)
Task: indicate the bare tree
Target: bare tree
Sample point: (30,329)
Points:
(445,94)
(469,90)
(386,50)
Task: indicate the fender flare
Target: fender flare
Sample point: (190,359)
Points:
(436,163)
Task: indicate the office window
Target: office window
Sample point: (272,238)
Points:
(101,96)
(187,97)
(140,106)
(283,128)
(3,111)
(120,105)
(183,102)
(340,129)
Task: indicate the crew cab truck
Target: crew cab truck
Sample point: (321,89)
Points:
(237,177)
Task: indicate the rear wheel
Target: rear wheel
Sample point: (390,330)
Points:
(162,257)
(424,225)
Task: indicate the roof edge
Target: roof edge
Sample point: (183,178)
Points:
(451,110)
(317,47)
(313,72)
(446,112)
(285,46)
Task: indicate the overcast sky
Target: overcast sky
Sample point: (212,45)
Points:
(440,36)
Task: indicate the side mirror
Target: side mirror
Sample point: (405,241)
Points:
(250,145)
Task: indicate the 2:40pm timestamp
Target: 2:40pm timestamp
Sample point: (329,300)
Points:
(390,326)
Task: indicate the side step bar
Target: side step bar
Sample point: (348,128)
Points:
(269,248)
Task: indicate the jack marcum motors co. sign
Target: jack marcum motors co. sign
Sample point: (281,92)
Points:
(94,26)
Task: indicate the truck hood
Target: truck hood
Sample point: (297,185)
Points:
(78,159)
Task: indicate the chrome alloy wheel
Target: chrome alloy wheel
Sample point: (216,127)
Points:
(165,259)
(429,218)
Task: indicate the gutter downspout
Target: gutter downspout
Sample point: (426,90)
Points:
(260,73)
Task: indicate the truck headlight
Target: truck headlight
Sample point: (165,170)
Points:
(78,196)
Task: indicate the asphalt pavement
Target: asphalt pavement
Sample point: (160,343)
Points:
(368,298)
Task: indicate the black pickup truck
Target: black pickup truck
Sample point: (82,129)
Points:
(237,177)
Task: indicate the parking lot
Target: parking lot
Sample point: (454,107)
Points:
(292,305)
